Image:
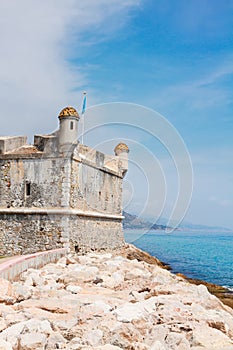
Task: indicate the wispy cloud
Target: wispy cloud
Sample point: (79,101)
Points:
(36,43)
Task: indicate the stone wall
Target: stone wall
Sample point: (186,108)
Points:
(45,176)
(25,233)
(9,143)
(50,201)
(87,234)
(94,189)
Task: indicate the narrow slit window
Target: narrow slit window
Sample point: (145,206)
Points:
(28,189)
(71,125)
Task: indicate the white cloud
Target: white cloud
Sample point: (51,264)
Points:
(36,42)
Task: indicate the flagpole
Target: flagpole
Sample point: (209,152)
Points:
(83,112)
(82,129)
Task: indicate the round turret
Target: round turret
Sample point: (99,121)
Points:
(68,112)
(68,131)
(121,148)
(121,151)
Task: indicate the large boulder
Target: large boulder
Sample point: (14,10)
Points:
(7,292)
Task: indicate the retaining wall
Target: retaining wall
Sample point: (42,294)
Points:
(12,268)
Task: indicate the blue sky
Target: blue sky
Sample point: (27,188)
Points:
(174,57)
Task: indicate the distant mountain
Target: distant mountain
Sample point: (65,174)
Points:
(133,222)
(186,226)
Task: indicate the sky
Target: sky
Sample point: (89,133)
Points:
(151,68)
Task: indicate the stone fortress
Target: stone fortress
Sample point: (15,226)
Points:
(60,193)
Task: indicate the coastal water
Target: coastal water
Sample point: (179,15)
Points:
(201,255)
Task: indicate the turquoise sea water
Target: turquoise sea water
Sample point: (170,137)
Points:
(202,255)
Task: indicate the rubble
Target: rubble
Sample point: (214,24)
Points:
(106,301)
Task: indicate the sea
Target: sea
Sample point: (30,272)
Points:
(206,256)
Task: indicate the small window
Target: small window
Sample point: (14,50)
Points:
(28,189)
(71,125)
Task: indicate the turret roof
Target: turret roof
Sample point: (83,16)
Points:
(68,112)
(121,147)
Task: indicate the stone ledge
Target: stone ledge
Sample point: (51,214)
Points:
(58,211)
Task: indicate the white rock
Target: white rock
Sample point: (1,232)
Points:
(90,270)
(49,285)
(210,338)
(15,317)
(113,265)
(21,292)
(118,278)
(102,305)
(137,296)
(66,323)
(56,341)
(157,345)
(3,324)
(32,341)
(6,309)
(134,311)
(4,345)
(93,337)
(28,281)
(129,312)
(177,317)
(62,261)
(73,289)
(70,260)
(135,273)
(79,273)
(105,256)
(37,279)
(53,270)
(12,334)
(112,281)
(74,344)
(176,341)
(7,294)
(108,347)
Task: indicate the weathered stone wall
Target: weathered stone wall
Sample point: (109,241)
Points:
(12,142)
(22,234)
(50,201)
(47,178)
(88,234)
(94,189)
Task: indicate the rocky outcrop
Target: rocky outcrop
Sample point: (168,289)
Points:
(106,301)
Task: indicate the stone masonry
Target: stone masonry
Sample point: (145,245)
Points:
(60,193)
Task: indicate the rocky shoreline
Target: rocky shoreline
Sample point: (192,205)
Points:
(224,294)
(125,299)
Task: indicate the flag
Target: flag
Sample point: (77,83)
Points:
(84,104)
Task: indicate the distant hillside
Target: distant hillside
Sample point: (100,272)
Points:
(133,222)
(185,226)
